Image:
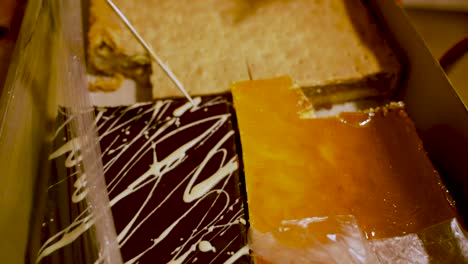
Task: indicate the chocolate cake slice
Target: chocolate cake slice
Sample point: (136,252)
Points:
(172,175)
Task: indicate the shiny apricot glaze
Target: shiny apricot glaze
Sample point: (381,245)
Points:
(372,166)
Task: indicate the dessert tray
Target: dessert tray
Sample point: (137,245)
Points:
(298,146)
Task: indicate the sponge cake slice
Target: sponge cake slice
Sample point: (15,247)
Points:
(333,49)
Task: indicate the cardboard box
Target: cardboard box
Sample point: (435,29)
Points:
(439,113)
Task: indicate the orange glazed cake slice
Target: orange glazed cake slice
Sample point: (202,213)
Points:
(369,165)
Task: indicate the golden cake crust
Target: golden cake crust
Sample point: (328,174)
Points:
(369,165)
(112,49)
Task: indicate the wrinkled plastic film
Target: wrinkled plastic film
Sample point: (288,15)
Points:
(340,240)
(47,70)
(306,241)
(445,242)
(77,99)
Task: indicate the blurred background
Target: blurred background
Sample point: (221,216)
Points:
(443,23)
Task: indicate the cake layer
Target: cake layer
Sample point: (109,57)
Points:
(112,49)
(172,175)
(369,165)
(209,44)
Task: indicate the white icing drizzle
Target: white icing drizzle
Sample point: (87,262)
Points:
(80,189)
(193,193)
(62,126)
(182,258)
(184,108)
(205,246)
(241,252)
(80,225)
(71,146)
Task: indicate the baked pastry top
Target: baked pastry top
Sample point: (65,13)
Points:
(369,165)
(112,50)
(332,48)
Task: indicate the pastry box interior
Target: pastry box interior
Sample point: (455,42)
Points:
(313,132)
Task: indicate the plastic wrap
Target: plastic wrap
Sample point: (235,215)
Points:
(47,70)
(343,242)
(339,240)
